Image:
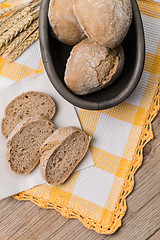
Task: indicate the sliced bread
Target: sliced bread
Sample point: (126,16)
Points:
(61,153)
(26,105)
(24,143)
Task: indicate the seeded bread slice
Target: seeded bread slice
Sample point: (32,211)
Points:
(61,153)
(24,143)
(26,105)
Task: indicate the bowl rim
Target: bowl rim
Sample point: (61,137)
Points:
(59,86)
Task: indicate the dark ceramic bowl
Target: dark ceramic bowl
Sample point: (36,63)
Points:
(55,55)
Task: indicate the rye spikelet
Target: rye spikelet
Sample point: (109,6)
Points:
(19,27)
(33,37)
(18,40)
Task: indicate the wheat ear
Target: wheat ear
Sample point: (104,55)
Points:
(33,37)
(20,14)
(3,49)
(11,16)
(15,19)
(18,9)
(19,39)
(12,32)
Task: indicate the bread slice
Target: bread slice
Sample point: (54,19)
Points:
(24,143)
(26,105)
(61,153)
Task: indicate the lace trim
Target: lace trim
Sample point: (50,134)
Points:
(120,210)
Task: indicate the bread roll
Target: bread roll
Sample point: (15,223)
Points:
(107,22)
(92,66)
(64,23)
(62,152)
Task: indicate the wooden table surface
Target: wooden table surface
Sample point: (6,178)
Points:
(26,221)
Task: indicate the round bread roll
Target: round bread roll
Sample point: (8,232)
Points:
(92,66)
(107,22)
(63,22)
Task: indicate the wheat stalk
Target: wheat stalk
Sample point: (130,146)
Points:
(18,23)
(33,37)
(18,9)
(12,32)
(11,16)
(5,11)
(15,19)
(19,39)
(20,15)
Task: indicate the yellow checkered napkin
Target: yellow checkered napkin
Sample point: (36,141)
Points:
(97,195)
